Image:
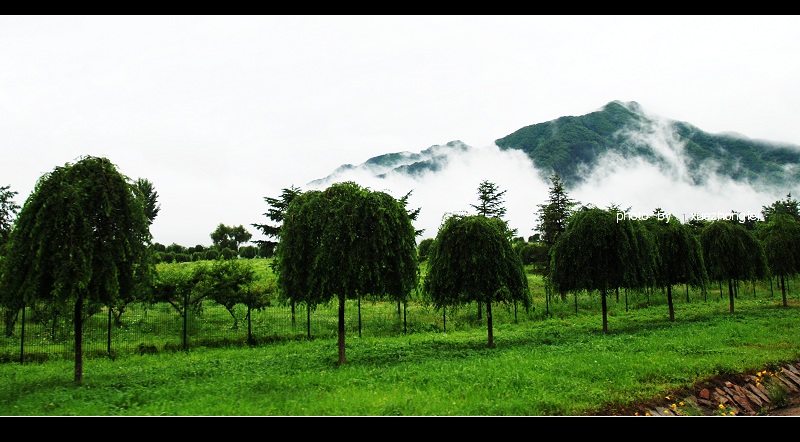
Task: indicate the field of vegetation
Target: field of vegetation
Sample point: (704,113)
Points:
(553,359)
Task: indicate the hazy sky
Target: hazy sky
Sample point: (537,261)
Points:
(220,112)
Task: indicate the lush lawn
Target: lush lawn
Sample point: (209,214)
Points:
(557,365)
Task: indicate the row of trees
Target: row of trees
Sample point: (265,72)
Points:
(601,250)
(82,239)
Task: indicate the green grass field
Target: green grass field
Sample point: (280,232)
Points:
(553,360)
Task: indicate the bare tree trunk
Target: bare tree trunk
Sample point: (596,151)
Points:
(669,303)
(730,293)
(783,291)
(489,323)
(341,330)
(605,310)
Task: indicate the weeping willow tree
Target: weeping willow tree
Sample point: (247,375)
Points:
(80,240)
(472,259)
(345,242)
(679,259)
(781,239)
(732,253)
(602,250)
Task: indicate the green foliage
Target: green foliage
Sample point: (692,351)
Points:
(275,213)
(230,237)
(569,144)
(472,259)
(680,257)
(789,206)
(227,253)
(533,254)
(598,251)
(550,367)
(553,215)
(8,210)
(732,252)
(81,237)
(248,252)
(423,250)
(781,239)
(490,200)
(149,198)
(346,241)
(226,282)
(602,250)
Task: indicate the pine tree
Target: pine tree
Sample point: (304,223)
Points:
(491,200)
(276,212)
(554,213)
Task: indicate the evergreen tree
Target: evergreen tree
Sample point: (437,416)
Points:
(490,199)
(149,197)
(275,213)
(789,206)
(553,215)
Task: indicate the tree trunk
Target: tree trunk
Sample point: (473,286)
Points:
(489,323)
(308,320)
(626,300)
(669,303)
(730,293)
(605,310)
(783,291)
(341,330)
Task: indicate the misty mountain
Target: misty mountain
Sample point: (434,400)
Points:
(575,147)
(410,164)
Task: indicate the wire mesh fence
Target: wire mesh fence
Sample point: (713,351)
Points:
(152,328)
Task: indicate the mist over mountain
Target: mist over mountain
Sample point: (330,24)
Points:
(617,155)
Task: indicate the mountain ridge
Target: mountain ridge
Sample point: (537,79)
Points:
(575,146)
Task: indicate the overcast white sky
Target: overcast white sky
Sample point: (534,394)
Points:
(219,112)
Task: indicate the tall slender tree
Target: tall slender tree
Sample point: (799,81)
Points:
(552,217)
(553,214)
(79,241)
(490,200)
(275,213)
(149,198)
(491,205)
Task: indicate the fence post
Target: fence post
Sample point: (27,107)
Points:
(22,337)
(185,316)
